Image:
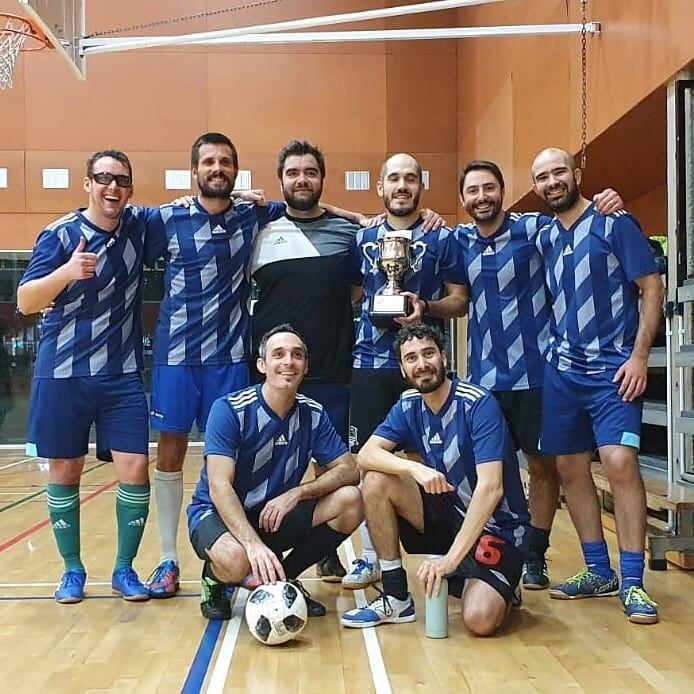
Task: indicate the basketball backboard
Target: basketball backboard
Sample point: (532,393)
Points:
(63,23)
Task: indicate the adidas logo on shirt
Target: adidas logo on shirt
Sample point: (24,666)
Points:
(280,440)
(436,439)
(568,251)
(488,251)
(279,240)
(61,525)
(219,229)
(137,522)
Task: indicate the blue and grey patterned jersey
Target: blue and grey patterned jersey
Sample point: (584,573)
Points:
(590,270)
(468,431)
(95,327)
(436,261)
(204,317)
(271,454)
(508,325)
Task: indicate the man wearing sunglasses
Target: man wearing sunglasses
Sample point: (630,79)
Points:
(88,265)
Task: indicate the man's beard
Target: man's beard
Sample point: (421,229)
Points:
(565,203)
(431,385)
(402,211)
(302,203)
(208,191)
(488,216)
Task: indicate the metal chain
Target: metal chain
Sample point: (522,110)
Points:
(184,18)
(584,86)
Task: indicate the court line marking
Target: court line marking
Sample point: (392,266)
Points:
(226,651)
(18,462)
(379,674)
(19,502)
(203,656)
(46,521)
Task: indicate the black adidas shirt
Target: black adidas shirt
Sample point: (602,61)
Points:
(301,267)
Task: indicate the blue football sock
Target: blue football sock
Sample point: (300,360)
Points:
(596,557)
(631,566)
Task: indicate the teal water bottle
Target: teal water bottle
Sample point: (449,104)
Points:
(437,613)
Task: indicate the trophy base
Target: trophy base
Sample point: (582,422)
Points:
(385,307)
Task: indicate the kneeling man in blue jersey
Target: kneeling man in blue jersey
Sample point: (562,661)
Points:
(88,264)
(250,504)
(466,501)
(597,267)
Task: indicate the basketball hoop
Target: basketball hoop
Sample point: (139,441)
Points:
(14,32)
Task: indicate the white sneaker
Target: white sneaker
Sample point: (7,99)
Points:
(385,609)
(362,575)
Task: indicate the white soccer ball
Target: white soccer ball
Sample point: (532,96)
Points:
(276,613)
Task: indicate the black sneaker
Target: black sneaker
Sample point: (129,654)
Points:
(214,600)
(330,569)
(313,607)
(535,574)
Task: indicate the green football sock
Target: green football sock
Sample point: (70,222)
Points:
(64,512)
(132,508)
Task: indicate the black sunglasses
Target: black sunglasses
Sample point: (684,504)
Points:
(104,178)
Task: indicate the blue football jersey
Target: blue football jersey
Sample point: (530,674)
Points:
(508,326)
(95,327)
(590,271)
(469,430)
(204,317)
(271,454)
(436,260)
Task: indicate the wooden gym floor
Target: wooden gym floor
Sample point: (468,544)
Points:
(106,644)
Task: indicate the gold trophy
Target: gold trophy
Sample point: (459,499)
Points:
(394,255)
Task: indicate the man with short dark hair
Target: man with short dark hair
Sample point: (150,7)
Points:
(465,501)
(202,338)
(250,504)
(88,266)
(606,305)
(508,330)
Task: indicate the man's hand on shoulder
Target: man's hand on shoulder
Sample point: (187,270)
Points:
(608,201)
(431,221)
(257,195)
(184,201)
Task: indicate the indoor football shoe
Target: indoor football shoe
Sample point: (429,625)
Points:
(639,608)
(215,600)
(126,583)
(330,569)
(362,575)
(71,588)
(586,584)
(535,574)
(385,609)
(163,583)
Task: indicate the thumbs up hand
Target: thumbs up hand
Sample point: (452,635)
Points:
(81,266)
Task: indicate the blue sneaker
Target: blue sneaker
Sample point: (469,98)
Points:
(163,583)
(586,584)
(71,588)
(639,608)
(362,575)
(384,609)
(126,583)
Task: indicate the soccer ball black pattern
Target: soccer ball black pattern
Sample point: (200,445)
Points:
(276,613)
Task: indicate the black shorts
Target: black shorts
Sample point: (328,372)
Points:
(295,528)
(491,560)
(374,392)
(523,412)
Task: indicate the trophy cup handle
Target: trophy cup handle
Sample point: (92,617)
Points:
(418,250)
(372,260)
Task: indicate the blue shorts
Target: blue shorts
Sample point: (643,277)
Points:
(63,410)
(581,411)
(182,395)
(335,399)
